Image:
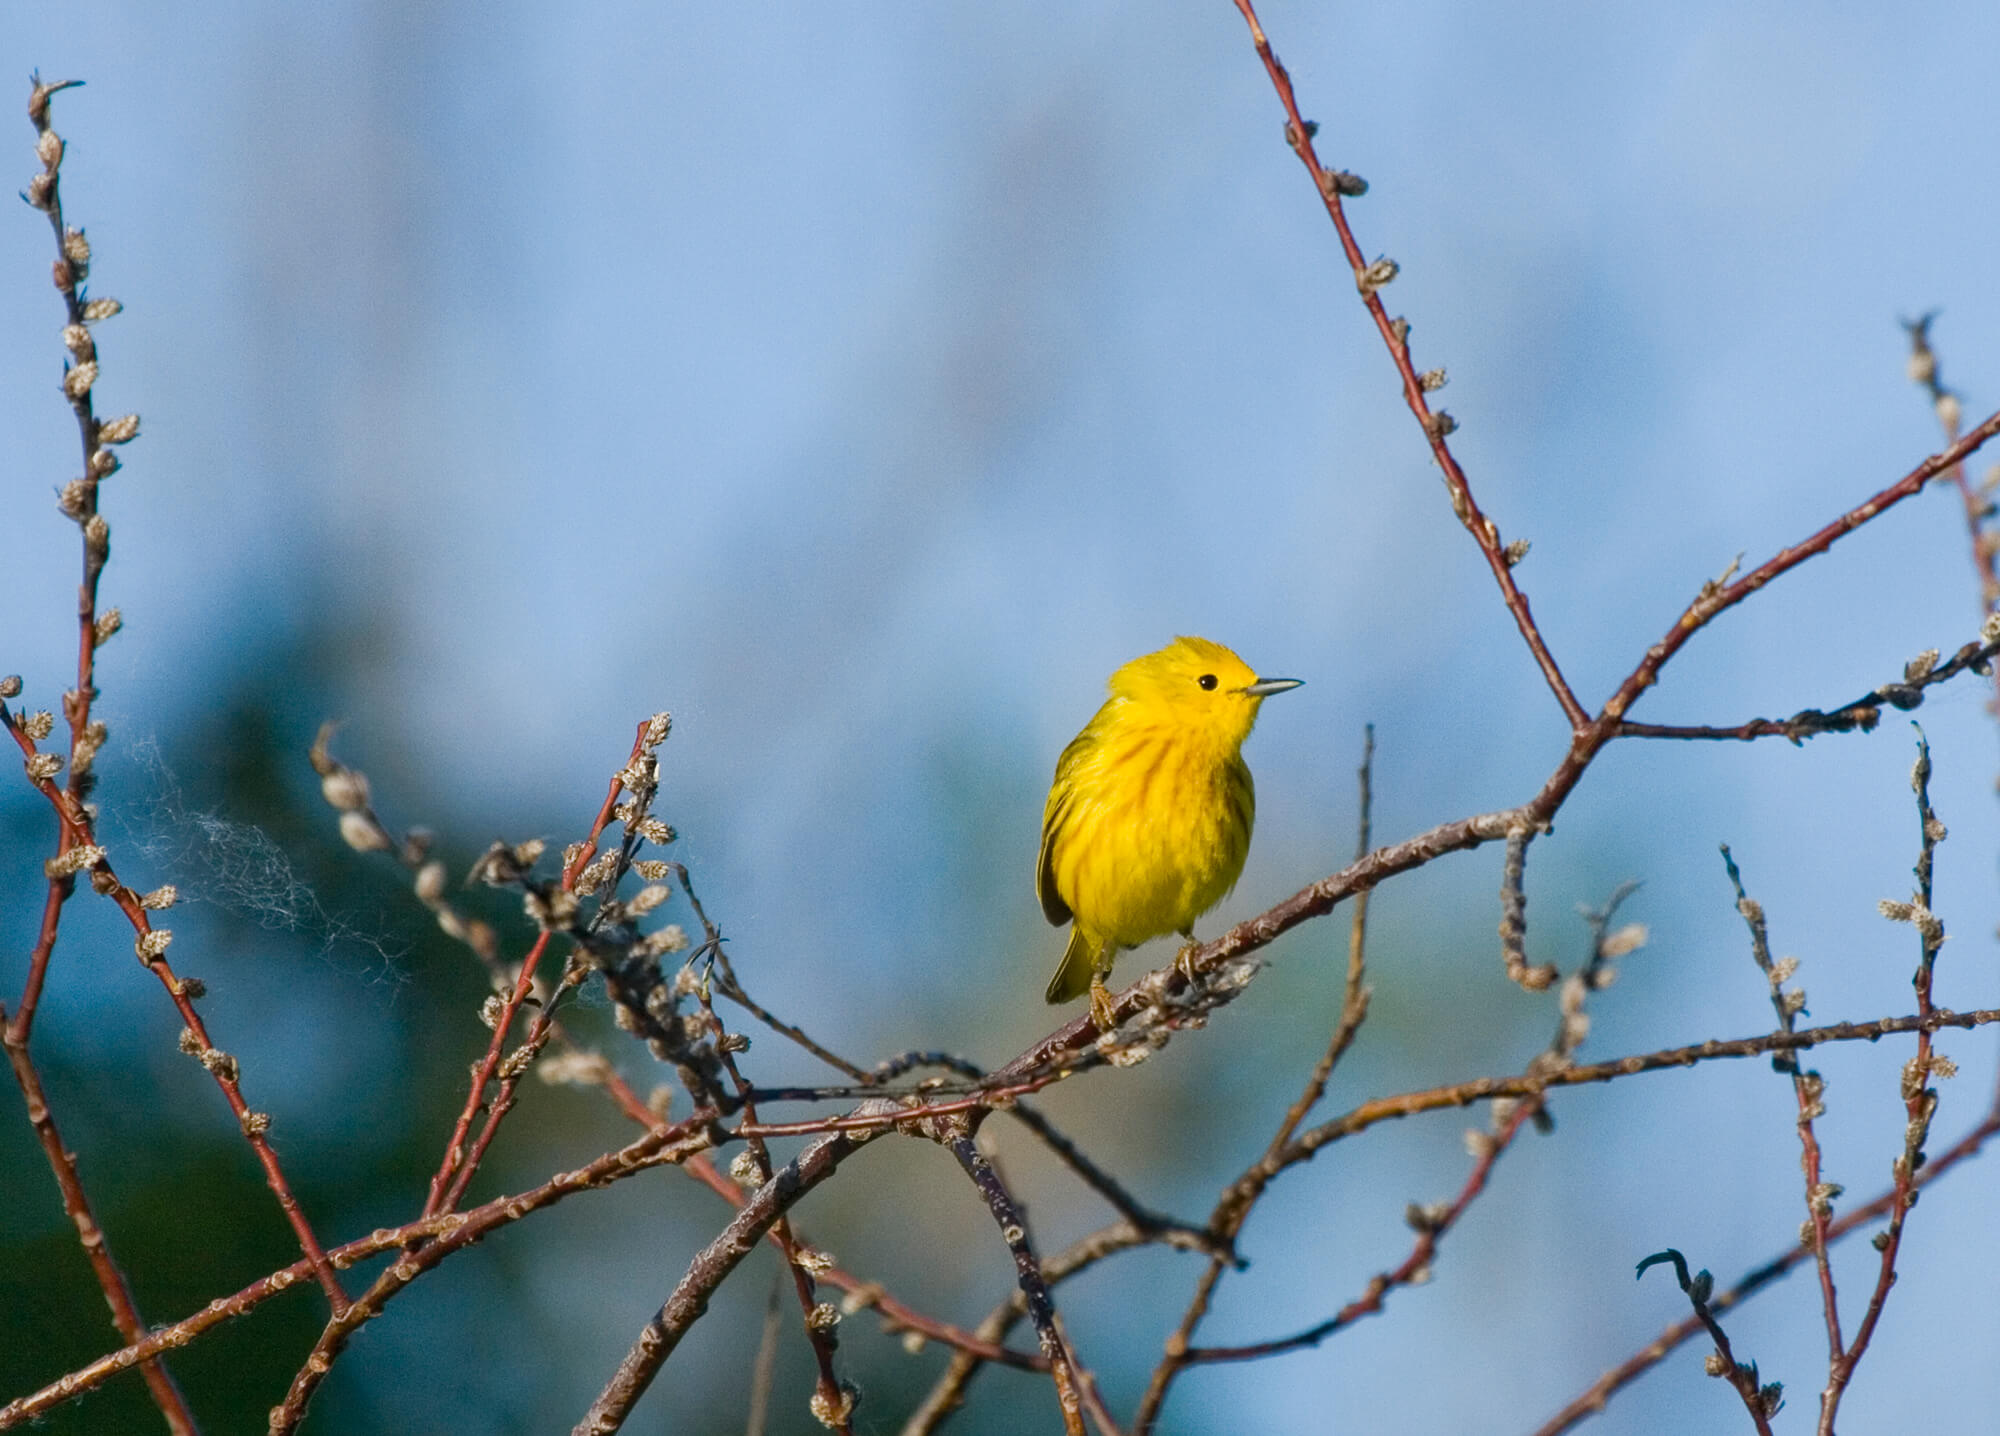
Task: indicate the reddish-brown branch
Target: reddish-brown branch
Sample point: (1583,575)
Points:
(1436,425)
(442,1235)
(76,1204)
(449,1183)
(1418,1261)
(60,889)
(151,947)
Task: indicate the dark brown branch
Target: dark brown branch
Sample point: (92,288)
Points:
(1464,1094)
(1919,1097)
(1759,1400)
(704,1274)
(1808,1089)
(1028,1275)
(948,1394)
(833,1400)
(1856,715)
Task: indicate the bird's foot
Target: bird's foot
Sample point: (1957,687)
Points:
(1184,961)
(1103,1011)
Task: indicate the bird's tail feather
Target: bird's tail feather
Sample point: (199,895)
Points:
(1079,965)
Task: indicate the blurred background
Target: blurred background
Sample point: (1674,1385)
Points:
(863,384)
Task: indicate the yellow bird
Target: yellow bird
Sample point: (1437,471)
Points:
(1148,820)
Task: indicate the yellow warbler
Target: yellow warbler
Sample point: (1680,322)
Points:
(1148,821)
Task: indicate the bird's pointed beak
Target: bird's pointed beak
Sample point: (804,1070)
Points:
(1265,687)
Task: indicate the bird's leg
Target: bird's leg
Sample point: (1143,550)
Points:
(1103,1011)
(1184,959)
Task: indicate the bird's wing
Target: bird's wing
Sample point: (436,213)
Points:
(1062,799)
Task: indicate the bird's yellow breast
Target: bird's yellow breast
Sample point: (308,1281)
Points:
(1147,826)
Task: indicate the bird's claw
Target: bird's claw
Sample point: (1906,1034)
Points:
(1184,962)
(1103,1011)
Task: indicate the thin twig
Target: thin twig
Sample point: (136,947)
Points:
(1759,1400)
(1028,1275)
(1919,1097)
(833,1401)
(1794,1253)
(1857,715)
(1431,1223)
(1808,1089)
(1369,279)
(765,1368)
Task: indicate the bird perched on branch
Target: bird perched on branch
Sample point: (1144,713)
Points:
(1148,820)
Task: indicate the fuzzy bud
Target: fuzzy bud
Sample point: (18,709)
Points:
(77,340)
(153,943)
(1374,276)
(39,724)
(1628,939)
(43,766)
(430,883)
(835,1412)
(345,790)
(256,1124)
(10,686)
(42,190)
(76,249)
(77,382)
(363,835)
(648,898)
(160,898)
(122,430)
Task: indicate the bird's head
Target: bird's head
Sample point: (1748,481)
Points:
(1197,686)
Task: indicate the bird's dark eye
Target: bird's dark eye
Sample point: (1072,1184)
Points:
(1207,681)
